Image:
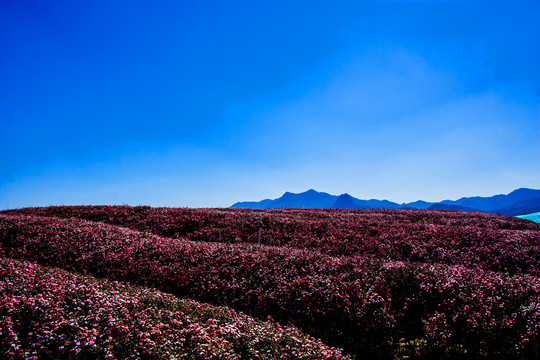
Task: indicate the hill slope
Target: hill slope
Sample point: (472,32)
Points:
(52,313)
(406,283)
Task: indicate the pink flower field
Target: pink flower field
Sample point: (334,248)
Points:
(48,313)
(381,284)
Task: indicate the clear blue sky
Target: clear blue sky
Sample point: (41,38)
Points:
(205,103)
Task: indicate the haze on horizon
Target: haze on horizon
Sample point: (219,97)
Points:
(204,104)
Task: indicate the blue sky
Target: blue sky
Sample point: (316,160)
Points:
(205,103)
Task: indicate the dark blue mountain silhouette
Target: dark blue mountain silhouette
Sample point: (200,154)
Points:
(377,204)
(521,208)
(497,202)
(308,199)
(417,205)
(345,201)
(440,206)
(520,201)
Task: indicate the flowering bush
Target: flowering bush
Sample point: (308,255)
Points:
(50,313)
(492,242)
(370,306)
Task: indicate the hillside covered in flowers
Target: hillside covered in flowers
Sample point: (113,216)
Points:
(376,283)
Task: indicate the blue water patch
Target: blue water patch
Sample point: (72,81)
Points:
(533,217)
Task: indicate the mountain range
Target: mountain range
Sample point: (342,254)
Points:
(518,202)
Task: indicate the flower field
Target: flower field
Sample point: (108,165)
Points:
(47,313)
(492,242)
(377,283)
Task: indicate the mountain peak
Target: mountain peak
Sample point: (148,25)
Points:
(523,191)
(519,201)
(308,199)
(345,201)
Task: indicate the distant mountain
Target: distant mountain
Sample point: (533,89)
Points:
(520,201)
(493,203)
(440,206)
(521,207)
(417,205)
(308,199)
(318,200)
(345,201)
(377,204)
